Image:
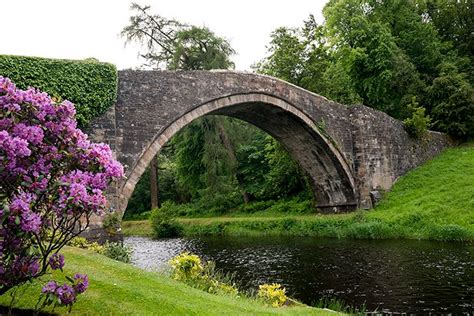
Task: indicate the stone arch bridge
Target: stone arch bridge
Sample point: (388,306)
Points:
(348,152)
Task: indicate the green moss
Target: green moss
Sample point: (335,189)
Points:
(120,289)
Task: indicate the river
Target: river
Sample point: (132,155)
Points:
(401,276)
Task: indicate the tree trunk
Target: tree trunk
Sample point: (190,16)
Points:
(154,185)
(232,156)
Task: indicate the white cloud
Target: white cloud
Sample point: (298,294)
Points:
(90,28)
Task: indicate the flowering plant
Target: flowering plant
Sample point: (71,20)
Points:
(189,268)
(52,180)
(186,266)
(273,294)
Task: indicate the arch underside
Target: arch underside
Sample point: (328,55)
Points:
(330,177)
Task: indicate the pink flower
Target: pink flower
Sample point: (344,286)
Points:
(50,287)
(30,222)
(66,294)
(51,171)
(81,282)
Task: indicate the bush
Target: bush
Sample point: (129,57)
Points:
(89,84)
(111,223)
(186,266)
(416,125)
(113,250)
(52,181)
(81,242)
(273,294)
(189,268)
(118,251)
(163,221)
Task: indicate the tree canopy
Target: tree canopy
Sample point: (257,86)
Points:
(382,53)
(169,44)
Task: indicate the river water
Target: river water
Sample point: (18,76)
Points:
(401,276)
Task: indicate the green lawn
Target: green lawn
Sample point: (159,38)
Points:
(434,201)
(120,289)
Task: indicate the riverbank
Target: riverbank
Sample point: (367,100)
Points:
(310,268)
(117,288)
(433,202)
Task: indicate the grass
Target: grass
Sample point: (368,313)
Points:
(120,289)
(434,201)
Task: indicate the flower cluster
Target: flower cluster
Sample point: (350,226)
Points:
(64,294)
(273,294)
(186,266)
(52,179)
(56,261)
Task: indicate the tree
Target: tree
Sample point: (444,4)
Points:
(454,22)
(52,180)
(383,53)
(298,55)
(173,45)
(452,100)
(155,202)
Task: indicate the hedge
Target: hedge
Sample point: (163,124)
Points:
(91,85)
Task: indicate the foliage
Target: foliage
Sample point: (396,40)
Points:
(81,242)
(452,99)
(454,22)
(117,251)
(186,266)
(53,294)
(111,223)
(52,181)
(382,54)
(273,294)
(264,168)
(416,125)
(163,222)
(285,177)
(216,282)
(137,216)
(205,156)
(189,268)
(113,250)
(89,84)
(203,164)
(432,202)
(338,305)
(289,206)
(172,45)
(143,292)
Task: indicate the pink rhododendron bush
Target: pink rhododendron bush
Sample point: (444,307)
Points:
(52,180)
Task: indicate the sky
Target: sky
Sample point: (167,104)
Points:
(91,28)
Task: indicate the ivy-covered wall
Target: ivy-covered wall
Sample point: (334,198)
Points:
(91,85)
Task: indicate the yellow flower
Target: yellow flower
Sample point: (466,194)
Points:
(273,294)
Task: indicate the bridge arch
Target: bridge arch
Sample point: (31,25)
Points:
(331,179)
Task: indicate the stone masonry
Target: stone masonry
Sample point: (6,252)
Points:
(346,151)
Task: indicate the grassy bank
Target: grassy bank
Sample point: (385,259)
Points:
(434,201)
(121,289)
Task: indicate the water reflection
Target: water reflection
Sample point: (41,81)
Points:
(402,276)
